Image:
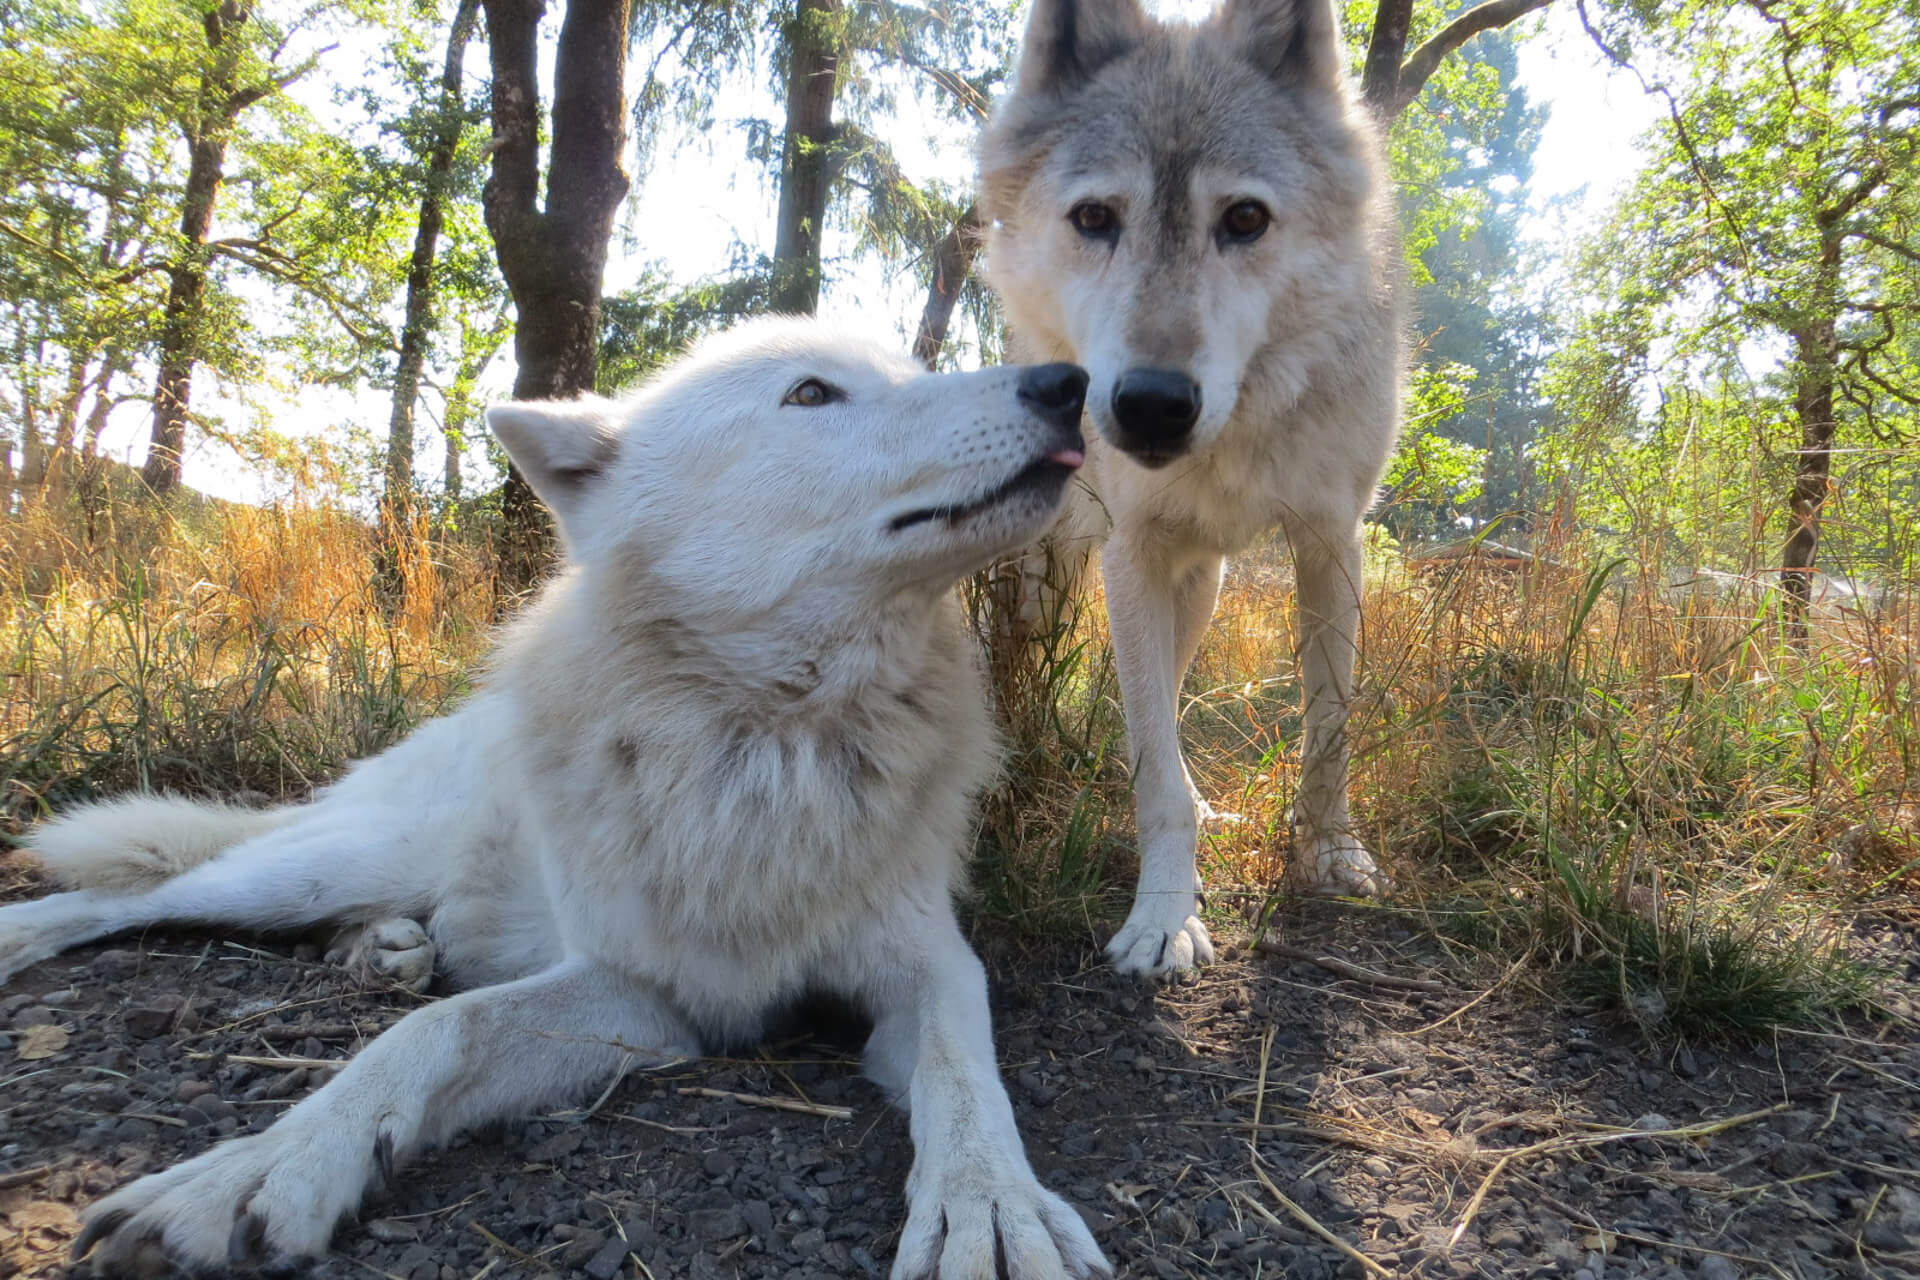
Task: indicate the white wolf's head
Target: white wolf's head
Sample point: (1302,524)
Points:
(786,470)
(1183,210)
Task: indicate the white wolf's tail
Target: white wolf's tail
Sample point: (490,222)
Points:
(138,842)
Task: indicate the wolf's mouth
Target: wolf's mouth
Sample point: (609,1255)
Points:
(1041,474)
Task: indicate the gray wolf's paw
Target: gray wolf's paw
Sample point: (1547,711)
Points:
(395,950)
(970,1216)
(271,1197)
(1337,868)
(1157,943)
(1211,819)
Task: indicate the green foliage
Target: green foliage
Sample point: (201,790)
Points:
(1768,251)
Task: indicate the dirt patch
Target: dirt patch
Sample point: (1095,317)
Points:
(1388,1115)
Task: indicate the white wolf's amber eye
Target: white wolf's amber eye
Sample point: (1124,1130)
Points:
(1091,218)
(1244,222)
(811,393)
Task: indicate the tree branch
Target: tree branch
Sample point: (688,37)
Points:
(1425,60)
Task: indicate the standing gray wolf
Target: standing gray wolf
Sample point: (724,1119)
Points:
(1198,216)
(727,759)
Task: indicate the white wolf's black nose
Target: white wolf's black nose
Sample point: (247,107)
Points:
(1056,392)
(1155,410)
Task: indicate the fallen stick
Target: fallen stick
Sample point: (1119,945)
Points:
(257,1060)
(1306,1220)
(1549,1146)
(1348,969)
(778,1104)
(21,1177)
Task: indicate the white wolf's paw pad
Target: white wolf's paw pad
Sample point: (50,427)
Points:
(271,1197)
(1149,946)
(1339,869)
(979,1228)
(395,950)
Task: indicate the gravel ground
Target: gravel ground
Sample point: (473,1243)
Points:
(1236,1125)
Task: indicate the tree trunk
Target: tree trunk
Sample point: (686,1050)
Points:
(112,365)
(1380,81)
(418,328)
(220,104)
(813,73)
(553,259)
(476,353)
(1815,353)
(416,332)
(952,260)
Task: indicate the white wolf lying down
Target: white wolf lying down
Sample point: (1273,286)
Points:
(728,758)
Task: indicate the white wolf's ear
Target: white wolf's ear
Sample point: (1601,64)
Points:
(560,446)
(1290,40)
(1068,40)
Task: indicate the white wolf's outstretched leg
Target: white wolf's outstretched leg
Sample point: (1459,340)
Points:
(305,873)
(482,1055)
(972,1196)
(1151,614)
(1328,858)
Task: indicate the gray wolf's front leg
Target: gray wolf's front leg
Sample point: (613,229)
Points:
(971,1197)
(487,1054)
(1144,604)
(1328,858)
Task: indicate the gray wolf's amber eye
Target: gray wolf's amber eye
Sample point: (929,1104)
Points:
(1244,222)
(1094,220)
(811,393)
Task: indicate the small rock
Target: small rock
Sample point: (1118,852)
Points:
(585,1246)
(1715,1267)
(155,1018)
(1886,1235)
(717,1224)
(563,1143)
(718,1164)
(392,1231)
(188,1090)
(113,965)
(808,1242)
(34,1015)
(1651,1121)
(759,1218)
(606,1261)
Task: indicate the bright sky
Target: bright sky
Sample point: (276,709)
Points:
(701,197)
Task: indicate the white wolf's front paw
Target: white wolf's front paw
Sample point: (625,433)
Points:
(966,1218)
(1337,868)
(1156,942)
(275,1196)
(393,950)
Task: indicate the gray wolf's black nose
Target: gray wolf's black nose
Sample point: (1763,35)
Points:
(1055,392)
(1155,410)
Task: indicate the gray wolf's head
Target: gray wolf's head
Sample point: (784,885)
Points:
(785,467)
(1178,207)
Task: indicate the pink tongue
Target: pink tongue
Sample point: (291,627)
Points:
(1067,457)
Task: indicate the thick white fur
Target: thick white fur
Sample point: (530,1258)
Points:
(1293,340)
(727,759)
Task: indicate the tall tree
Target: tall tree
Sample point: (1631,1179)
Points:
(1781,212)
(553,257)
(449,122)
(233,78)
(814,35)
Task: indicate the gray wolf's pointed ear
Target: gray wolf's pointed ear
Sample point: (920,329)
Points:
(1290,40)
(560,446)
(1067,41)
